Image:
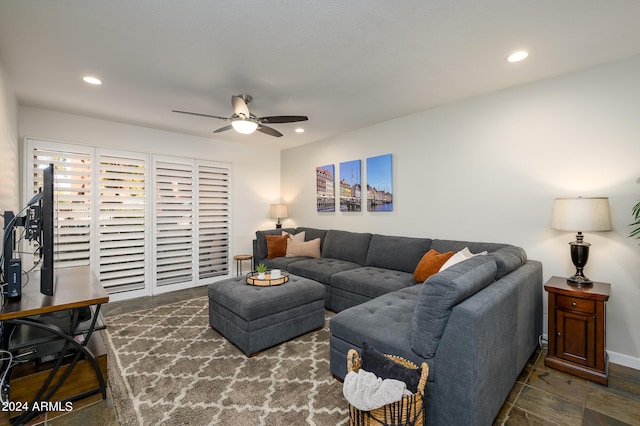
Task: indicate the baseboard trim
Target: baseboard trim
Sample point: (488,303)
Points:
(626,360)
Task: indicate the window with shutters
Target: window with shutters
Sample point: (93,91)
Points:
(174,217)
(146,224)
(122,206)
(72,197)
(213,220)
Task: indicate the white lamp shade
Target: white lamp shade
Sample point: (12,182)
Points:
(278,211)
(246,127)
(581,214)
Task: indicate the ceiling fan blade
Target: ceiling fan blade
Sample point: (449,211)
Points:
(284,118)
(239,106)
(223,129)
(199,114)
(269,131)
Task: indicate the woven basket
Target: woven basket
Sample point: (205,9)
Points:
(409,411)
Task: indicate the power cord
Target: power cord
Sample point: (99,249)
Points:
(7,356)
(543,341)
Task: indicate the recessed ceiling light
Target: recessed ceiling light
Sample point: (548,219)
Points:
(299,130)
(517,56)
(92,80)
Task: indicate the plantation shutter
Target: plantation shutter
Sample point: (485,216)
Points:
(144,226)
(213,220)
(123,209)
(174,218)
(72,198)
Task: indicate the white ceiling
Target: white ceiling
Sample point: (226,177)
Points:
(345,64)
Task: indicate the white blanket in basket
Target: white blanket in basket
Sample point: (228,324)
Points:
(366,391)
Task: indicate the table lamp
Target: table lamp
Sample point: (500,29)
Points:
(278,211)
(581,214)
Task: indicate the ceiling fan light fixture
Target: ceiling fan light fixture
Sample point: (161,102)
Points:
(244,126)
(242,121)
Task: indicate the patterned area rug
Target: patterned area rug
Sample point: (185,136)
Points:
(168,366)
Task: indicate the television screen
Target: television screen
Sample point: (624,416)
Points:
(47,276)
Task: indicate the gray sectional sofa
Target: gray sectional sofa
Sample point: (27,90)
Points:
(475,324)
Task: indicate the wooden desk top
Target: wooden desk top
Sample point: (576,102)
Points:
(74,288)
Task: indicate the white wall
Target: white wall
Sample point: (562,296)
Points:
(255,186)
(9,152)
(489,168)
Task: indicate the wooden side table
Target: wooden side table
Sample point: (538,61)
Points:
(577,329)
(239,258)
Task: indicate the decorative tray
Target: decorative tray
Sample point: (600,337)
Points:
(252,279)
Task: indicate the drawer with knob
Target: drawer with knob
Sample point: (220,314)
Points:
(575,304)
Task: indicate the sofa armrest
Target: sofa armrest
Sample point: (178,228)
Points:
(485,345)
(475,358)
(256,261)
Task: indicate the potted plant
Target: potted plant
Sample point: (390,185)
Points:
(636,214)
(262,270)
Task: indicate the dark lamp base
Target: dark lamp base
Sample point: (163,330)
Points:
(579,257)
(579,281)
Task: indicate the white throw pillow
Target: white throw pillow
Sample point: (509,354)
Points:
(463,254)
(295,237)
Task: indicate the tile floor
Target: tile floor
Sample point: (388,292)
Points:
(541,396)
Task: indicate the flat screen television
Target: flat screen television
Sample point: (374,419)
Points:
(47,273)
(38,225)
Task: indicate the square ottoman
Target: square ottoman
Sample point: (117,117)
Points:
(255,318)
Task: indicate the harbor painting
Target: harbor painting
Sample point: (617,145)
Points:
(325,189)
(379,188)
(350,186)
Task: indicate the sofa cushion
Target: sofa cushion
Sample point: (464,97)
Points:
(321,269)
(399,253)
(348,246)
(313,233)
(384,322)
(282,262)
(440,293)
(276,245)
(306,249)
(430,264)
(509,259)
(370,281)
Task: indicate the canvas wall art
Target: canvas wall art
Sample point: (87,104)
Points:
(379,187)
(350,186)
(325,189)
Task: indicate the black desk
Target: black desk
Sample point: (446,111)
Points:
(34,320)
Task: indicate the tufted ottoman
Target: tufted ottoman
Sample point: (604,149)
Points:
(255,318)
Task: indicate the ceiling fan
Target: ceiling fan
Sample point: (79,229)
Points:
(242,121)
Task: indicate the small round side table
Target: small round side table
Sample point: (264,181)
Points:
(239,258)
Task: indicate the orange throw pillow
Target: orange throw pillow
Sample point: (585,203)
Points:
(430,264)
(276,245)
